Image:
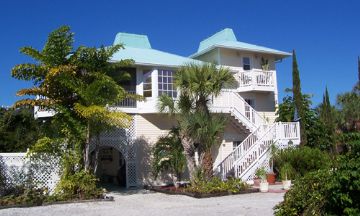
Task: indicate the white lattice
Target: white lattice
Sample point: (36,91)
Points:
(122,139)
(17,169)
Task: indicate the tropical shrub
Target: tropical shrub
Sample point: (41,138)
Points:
(303,160)
(25,196)
(168,155)
(287,171)
(216,185)
(326,192)
(80,185)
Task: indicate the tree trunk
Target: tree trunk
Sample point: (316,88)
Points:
(207,164)
(189,152)
(87,149)
(97,150)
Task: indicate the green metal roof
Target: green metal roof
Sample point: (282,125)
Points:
(132,40)
(227,39)
(138,48)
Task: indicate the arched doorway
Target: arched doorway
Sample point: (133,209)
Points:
(112,166)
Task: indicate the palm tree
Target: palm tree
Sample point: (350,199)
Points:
(197,85)
(207,131)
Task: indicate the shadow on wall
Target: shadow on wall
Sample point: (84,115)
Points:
(144,164)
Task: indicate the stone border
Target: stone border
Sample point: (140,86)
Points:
(201,195)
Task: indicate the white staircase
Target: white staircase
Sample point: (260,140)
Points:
(254,151)
(231,102)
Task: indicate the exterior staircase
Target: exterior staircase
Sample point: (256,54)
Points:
(254,151)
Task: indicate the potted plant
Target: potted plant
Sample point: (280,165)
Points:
(264,185)
(271,176)
(286,172)
(265,64)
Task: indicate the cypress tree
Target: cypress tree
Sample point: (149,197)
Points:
(298,99)
(326,115)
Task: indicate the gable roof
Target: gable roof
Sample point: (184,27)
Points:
(138,48)
(227,39)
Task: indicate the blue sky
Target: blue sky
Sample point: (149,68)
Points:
(325,34)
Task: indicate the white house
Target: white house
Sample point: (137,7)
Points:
(251,107)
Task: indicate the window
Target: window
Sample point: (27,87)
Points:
(246,63)
(166,83)
(147,89)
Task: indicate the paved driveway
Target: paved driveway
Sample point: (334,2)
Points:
(156,204)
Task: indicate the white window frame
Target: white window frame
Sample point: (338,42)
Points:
(250,61)
(147,83)
(163,86)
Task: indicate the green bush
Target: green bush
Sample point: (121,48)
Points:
(168,155)
(200,184)
(80,185)
(28,196)
(326,192)
(302,159)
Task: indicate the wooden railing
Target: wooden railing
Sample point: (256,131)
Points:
(128,102)
(230,101)
(256,78)
(249,155)
(227,164)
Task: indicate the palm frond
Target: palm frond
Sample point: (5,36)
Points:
(166,104)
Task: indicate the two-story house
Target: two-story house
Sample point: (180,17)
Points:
(250,107)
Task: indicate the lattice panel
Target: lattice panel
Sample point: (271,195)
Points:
(45,172)
(16,169)
(122,139)
(131,174)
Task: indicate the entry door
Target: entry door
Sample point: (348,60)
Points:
(249,113)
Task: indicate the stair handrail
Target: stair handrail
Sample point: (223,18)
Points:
(254,118)
(256,145)
(228,162)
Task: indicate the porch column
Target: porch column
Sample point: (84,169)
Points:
(154,83)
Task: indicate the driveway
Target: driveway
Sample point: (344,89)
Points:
(148,203)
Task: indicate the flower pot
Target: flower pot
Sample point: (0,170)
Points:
(264,187)
(286,184)
(256,182)
(271,178)
(177,184)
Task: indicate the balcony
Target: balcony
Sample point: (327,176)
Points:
(127,102)
(256,80)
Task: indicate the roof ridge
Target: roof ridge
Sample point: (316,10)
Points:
(226,34)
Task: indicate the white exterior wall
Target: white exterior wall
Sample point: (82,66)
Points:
(148,129)
(233,58)
(265,103)
(230,135)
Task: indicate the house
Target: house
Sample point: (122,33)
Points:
(250,107)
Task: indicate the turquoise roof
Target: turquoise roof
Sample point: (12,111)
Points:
(132,40)
(138,48)
(227,39)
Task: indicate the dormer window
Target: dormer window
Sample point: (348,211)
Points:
(246,63)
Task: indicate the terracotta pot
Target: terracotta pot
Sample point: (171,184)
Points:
(271,178)
(256,182)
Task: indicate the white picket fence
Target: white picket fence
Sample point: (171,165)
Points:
(17,169)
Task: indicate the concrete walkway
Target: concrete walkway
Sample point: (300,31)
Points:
(142,202)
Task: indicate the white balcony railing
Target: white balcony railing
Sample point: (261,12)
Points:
(127,102)
(256,78)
